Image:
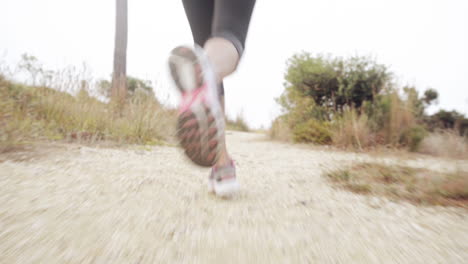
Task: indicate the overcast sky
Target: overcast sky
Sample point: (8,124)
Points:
(424,42)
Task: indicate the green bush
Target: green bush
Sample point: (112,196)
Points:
(332,83)
(448,120)
(312,131)
(354,103)
(413,136)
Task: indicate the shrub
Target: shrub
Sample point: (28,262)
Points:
(312,131)
(333,83)
(448,120)
(413,136)
(356,96)
(394,120)
(354,102)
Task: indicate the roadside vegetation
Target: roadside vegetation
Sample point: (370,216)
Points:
(237,124)
(63,106)
(419,186)
(355,103)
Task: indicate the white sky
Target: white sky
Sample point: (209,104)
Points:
(425,42)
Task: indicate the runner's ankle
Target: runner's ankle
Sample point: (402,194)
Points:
(223,160)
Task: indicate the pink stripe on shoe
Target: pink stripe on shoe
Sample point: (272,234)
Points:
(188,98)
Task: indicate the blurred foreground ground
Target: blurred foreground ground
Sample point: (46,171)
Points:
(78,204)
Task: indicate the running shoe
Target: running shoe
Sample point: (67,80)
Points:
(200,125)
(222,180)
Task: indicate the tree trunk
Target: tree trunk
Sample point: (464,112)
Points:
(119,76)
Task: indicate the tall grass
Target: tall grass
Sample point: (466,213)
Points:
(447,144)
(398,119)
(352,130)
(30,113)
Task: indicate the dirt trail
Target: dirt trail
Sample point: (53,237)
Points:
(91,205)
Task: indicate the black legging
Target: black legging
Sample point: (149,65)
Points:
(228,19)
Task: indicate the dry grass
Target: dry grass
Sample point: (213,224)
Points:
(352,130)
(393,124)
(398,119)
(38,113)
(419,186)
(389,121)
(280,130)
(239,124)
(448,144)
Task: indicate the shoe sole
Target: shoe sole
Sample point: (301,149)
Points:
(200,125)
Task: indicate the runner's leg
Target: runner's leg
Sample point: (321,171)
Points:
(231,21)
